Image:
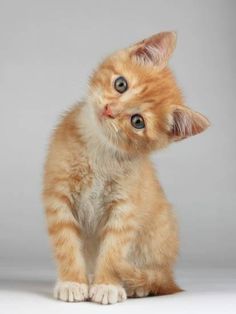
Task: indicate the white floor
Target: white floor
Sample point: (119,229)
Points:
(207,291)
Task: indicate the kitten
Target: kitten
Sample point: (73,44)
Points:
(106,211)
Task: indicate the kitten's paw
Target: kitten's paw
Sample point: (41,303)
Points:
(107,294)
(70,291)
(139,292)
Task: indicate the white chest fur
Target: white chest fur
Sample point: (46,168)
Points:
(90,209)
(106,167)
(93,198)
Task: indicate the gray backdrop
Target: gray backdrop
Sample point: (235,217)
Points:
(48,49)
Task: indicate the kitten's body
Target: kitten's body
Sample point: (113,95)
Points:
(107,214)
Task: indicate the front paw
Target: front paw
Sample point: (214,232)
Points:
(70,291)
(107,294)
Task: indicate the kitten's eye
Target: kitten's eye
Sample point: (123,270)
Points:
(137,121)
(121,84)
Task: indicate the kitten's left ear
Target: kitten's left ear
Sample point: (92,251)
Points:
(155,50)
(184,122)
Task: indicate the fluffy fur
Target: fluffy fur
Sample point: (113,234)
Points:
(106,211)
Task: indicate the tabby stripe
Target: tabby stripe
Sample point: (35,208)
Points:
(58,227)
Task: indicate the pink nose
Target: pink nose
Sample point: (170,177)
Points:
(107,112)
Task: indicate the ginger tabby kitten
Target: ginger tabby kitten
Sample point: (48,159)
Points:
(106,211)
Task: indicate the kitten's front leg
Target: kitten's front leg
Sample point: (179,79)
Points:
(64,230)
(116,236)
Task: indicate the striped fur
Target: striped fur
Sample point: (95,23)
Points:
(107,214)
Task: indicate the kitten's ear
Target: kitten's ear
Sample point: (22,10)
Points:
(155,50)
(184,122)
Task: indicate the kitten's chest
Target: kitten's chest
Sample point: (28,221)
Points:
(91,203)
(95,196)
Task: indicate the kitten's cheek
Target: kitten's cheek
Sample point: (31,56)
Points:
(98,112)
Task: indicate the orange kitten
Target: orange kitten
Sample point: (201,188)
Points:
(107,213)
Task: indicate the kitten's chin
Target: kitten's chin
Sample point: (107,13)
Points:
(106,129)
(111,136)
(109,131)
(113,139)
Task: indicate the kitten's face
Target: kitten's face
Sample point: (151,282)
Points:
(136,101)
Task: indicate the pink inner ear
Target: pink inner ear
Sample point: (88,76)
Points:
(156,49)
(150,53)
(188,123)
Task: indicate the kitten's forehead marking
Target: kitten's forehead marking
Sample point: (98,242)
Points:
(130,93)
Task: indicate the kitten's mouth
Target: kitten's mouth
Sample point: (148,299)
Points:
(107,118)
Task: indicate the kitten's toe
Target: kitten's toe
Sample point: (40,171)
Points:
(69,291)
(139,292)
(107,294)
(130,293)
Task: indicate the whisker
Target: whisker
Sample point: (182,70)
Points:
(114,126)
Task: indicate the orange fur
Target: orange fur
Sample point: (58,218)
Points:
(107,213)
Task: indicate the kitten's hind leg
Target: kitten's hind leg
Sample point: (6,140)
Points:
(144,282)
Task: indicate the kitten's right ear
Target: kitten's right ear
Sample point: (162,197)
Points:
(155,50)
(183,122)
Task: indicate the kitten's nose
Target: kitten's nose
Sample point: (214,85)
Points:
(107,112)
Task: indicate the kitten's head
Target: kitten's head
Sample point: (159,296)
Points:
(136,101)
